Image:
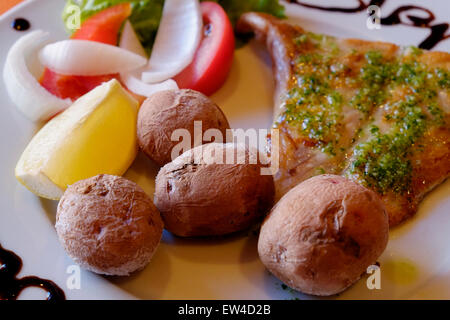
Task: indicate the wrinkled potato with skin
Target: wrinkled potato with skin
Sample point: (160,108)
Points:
(207,198)
(108,225)
(323,234)
(165,111)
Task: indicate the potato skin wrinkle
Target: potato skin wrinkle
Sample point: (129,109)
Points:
(108,225)
(323,234)
(166,111)
(206,199)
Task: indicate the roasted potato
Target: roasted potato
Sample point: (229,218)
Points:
(323,234)
(210,197)
(108,225)
(166,111)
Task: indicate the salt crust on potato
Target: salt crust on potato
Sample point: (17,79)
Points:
(199,195)
(108,225)
(323,234)
(166,111)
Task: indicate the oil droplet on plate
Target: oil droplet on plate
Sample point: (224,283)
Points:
(400,271)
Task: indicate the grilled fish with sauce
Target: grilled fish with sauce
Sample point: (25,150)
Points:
(374,112)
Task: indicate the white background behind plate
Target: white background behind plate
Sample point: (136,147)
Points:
(221,268)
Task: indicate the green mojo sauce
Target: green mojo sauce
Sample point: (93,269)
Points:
(314,107)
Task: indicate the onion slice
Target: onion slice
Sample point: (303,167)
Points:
(135,85)
(88,58)
(33,100)
(129,41)
(177,40)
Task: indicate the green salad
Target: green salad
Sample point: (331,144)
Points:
(146,14)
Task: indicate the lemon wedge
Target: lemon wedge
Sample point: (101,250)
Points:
(97,134)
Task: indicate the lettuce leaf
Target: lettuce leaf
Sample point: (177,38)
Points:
(235,8)
(146,14)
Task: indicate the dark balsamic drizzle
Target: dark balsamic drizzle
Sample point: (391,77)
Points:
(20,24)
(11,286)
(361,6)
(438,32)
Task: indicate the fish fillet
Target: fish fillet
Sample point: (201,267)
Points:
(373,112)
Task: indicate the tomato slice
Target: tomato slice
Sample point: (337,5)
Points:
(102,27)
(214,57)
(105,25)
(73,87)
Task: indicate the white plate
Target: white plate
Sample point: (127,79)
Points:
(224,268)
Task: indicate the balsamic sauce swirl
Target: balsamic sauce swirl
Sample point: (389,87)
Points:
(438,32)
(11,286)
